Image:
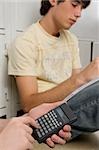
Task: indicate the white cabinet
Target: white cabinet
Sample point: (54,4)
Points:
(1,14)
(3,64)
(10,8)
(95,49)
(15,105)
(85,49)
(3,75)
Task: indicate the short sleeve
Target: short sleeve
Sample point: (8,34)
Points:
(22,58)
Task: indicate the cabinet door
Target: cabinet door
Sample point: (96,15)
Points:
(1,14)
(14,103)
(3,79)
(85,52)
(10,9)
(27,12)
(3,113)
(95,49)
(3,72)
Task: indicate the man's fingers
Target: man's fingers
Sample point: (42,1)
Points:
(28,129)
(67,128)
(50,143)
(65,135)
(30,138)
(58,139)
(34,123)
(30,146)
(29,121)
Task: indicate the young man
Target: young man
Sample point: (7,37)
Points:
(45,59)
(15,133)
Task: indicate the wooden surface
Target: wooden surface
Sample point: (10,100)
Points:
(84,142)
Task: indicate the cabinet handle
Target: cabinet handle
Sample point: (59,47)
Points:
(2,28)
(91,54)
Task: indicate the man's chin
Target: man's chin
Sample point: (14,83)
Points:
(67,28)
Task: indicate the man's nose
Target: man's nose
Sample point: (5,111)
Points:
(78,11)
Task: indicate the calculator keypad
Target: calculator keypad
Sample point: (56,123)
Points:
(48,123)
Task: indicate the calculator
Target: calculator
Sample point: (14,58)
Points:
(51,122)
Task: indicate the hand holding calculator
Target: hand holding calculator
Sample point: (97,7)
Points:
(53,121)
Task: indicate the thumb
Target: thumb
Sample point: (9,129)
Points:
(30,121)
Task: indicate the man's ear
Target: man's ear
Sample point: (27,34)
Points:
(53,2)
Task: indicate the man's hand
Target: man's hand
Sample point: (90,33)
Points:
(64,134)
(42,109)
(17,134)
(90,72)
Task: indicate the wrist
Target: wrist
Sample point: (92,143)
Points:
(78,80)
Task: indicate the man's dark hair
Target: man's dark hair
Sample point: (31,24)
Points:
(45,5)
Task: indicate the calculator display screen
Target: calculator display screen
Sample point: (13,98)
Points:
(62,115)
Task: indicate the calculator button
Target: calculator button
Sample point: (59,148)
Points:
(41,122)
(52,127)
(51,124)
(43,133)
(41,130)
(49,121)
(39,134)
(42,117)
(45,116)
(52,121)
(49,129)
(43,125)
(46,131)
(39,119)
(56,125)
(49,116)
(44,128)
(60,123)
(47,126)
(46,123)
(44,120)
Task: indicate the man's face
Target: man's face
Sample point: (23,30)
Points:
(66,13)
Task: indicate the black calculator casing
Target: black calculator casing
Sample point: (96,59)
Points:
(53,121)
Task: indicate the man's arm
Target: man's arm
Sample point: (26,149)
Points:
(29,96)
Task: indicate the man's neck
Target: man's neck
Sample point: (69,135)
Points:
(48,25)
